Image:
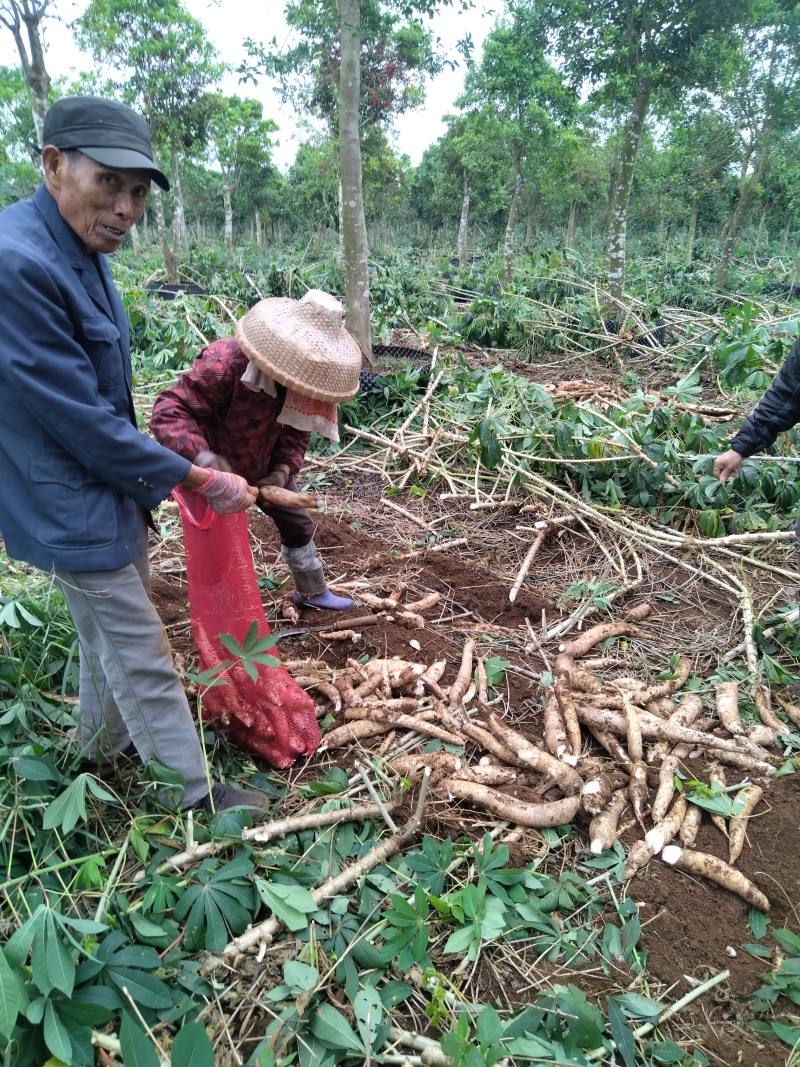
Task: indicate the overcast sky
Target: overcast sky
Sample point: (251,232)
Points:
(228,22)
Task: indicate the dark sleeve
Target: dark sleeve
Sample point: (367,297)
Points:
(290,449)
(180,413)
(776,412)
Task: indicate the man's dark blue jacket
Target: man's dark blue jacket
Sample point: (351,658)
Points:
(73,465)
(777,411)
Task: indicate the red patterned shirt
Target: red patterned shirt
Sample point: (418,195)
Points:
(208,407)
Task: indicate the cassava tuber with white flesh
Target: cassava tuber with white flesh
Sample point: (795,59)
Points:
(597,792)
(603,827)
(643,851)
(715,870)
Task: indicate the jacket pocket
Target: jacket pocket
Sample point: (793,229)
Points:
(72,507)
(102,345)
(102,330)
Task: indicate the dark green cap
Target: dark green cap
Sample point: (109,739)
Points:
(106,131)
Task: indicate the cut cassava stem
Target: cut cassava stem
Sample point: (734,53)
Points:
(526,563)
(715,870)
(268,832)
(603,827)
(264,933)
(748,799)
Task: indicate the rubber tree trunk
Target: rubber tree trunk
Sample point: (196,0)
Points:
(762,222)
(226,200)
(170,257)
(257,217)
(572,225)
(618,221)
(690,236)
(464,221)
(513,215)
(137,247)
(30,13)
(785,237)
(181,234)
(354,226)
(739,214)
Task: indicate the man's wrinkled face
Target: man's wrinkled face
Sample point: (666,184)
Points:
(100,204)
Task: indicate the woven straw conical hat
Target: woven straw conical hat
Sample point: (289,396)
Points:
(303,345)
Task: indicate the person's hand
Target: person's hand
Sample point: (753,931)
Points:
(727,465)
(277,477)
(211,461)
(227,493)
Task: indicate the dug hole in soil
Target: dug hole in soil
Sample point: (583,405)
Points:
(692,929)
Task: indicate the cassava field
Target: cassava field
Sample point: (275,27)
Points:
(579,635)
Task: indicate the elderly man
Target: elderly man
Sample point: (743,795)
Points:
(77,478)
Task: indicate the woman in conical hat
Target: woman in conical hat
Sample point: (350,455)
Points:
(250,403)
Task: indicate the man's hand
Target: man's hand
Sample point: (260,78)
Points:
(211,461)
(727,465)
(227,493)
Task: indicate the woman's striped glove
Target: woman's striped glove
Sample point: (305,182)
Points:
(226,493)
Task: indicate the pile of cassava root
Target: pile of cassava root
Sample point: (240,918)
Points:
(506,773)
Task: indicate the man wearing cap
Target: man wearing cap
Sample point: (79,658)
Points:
(249,404)
(77,478)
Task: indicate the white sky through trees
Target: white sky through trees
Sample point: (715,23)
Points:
(228,22)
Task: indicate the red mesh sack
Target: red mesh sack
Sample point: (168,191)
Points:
(272,716)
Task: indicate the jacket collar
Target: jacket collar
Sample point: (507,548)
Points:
(73,248)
